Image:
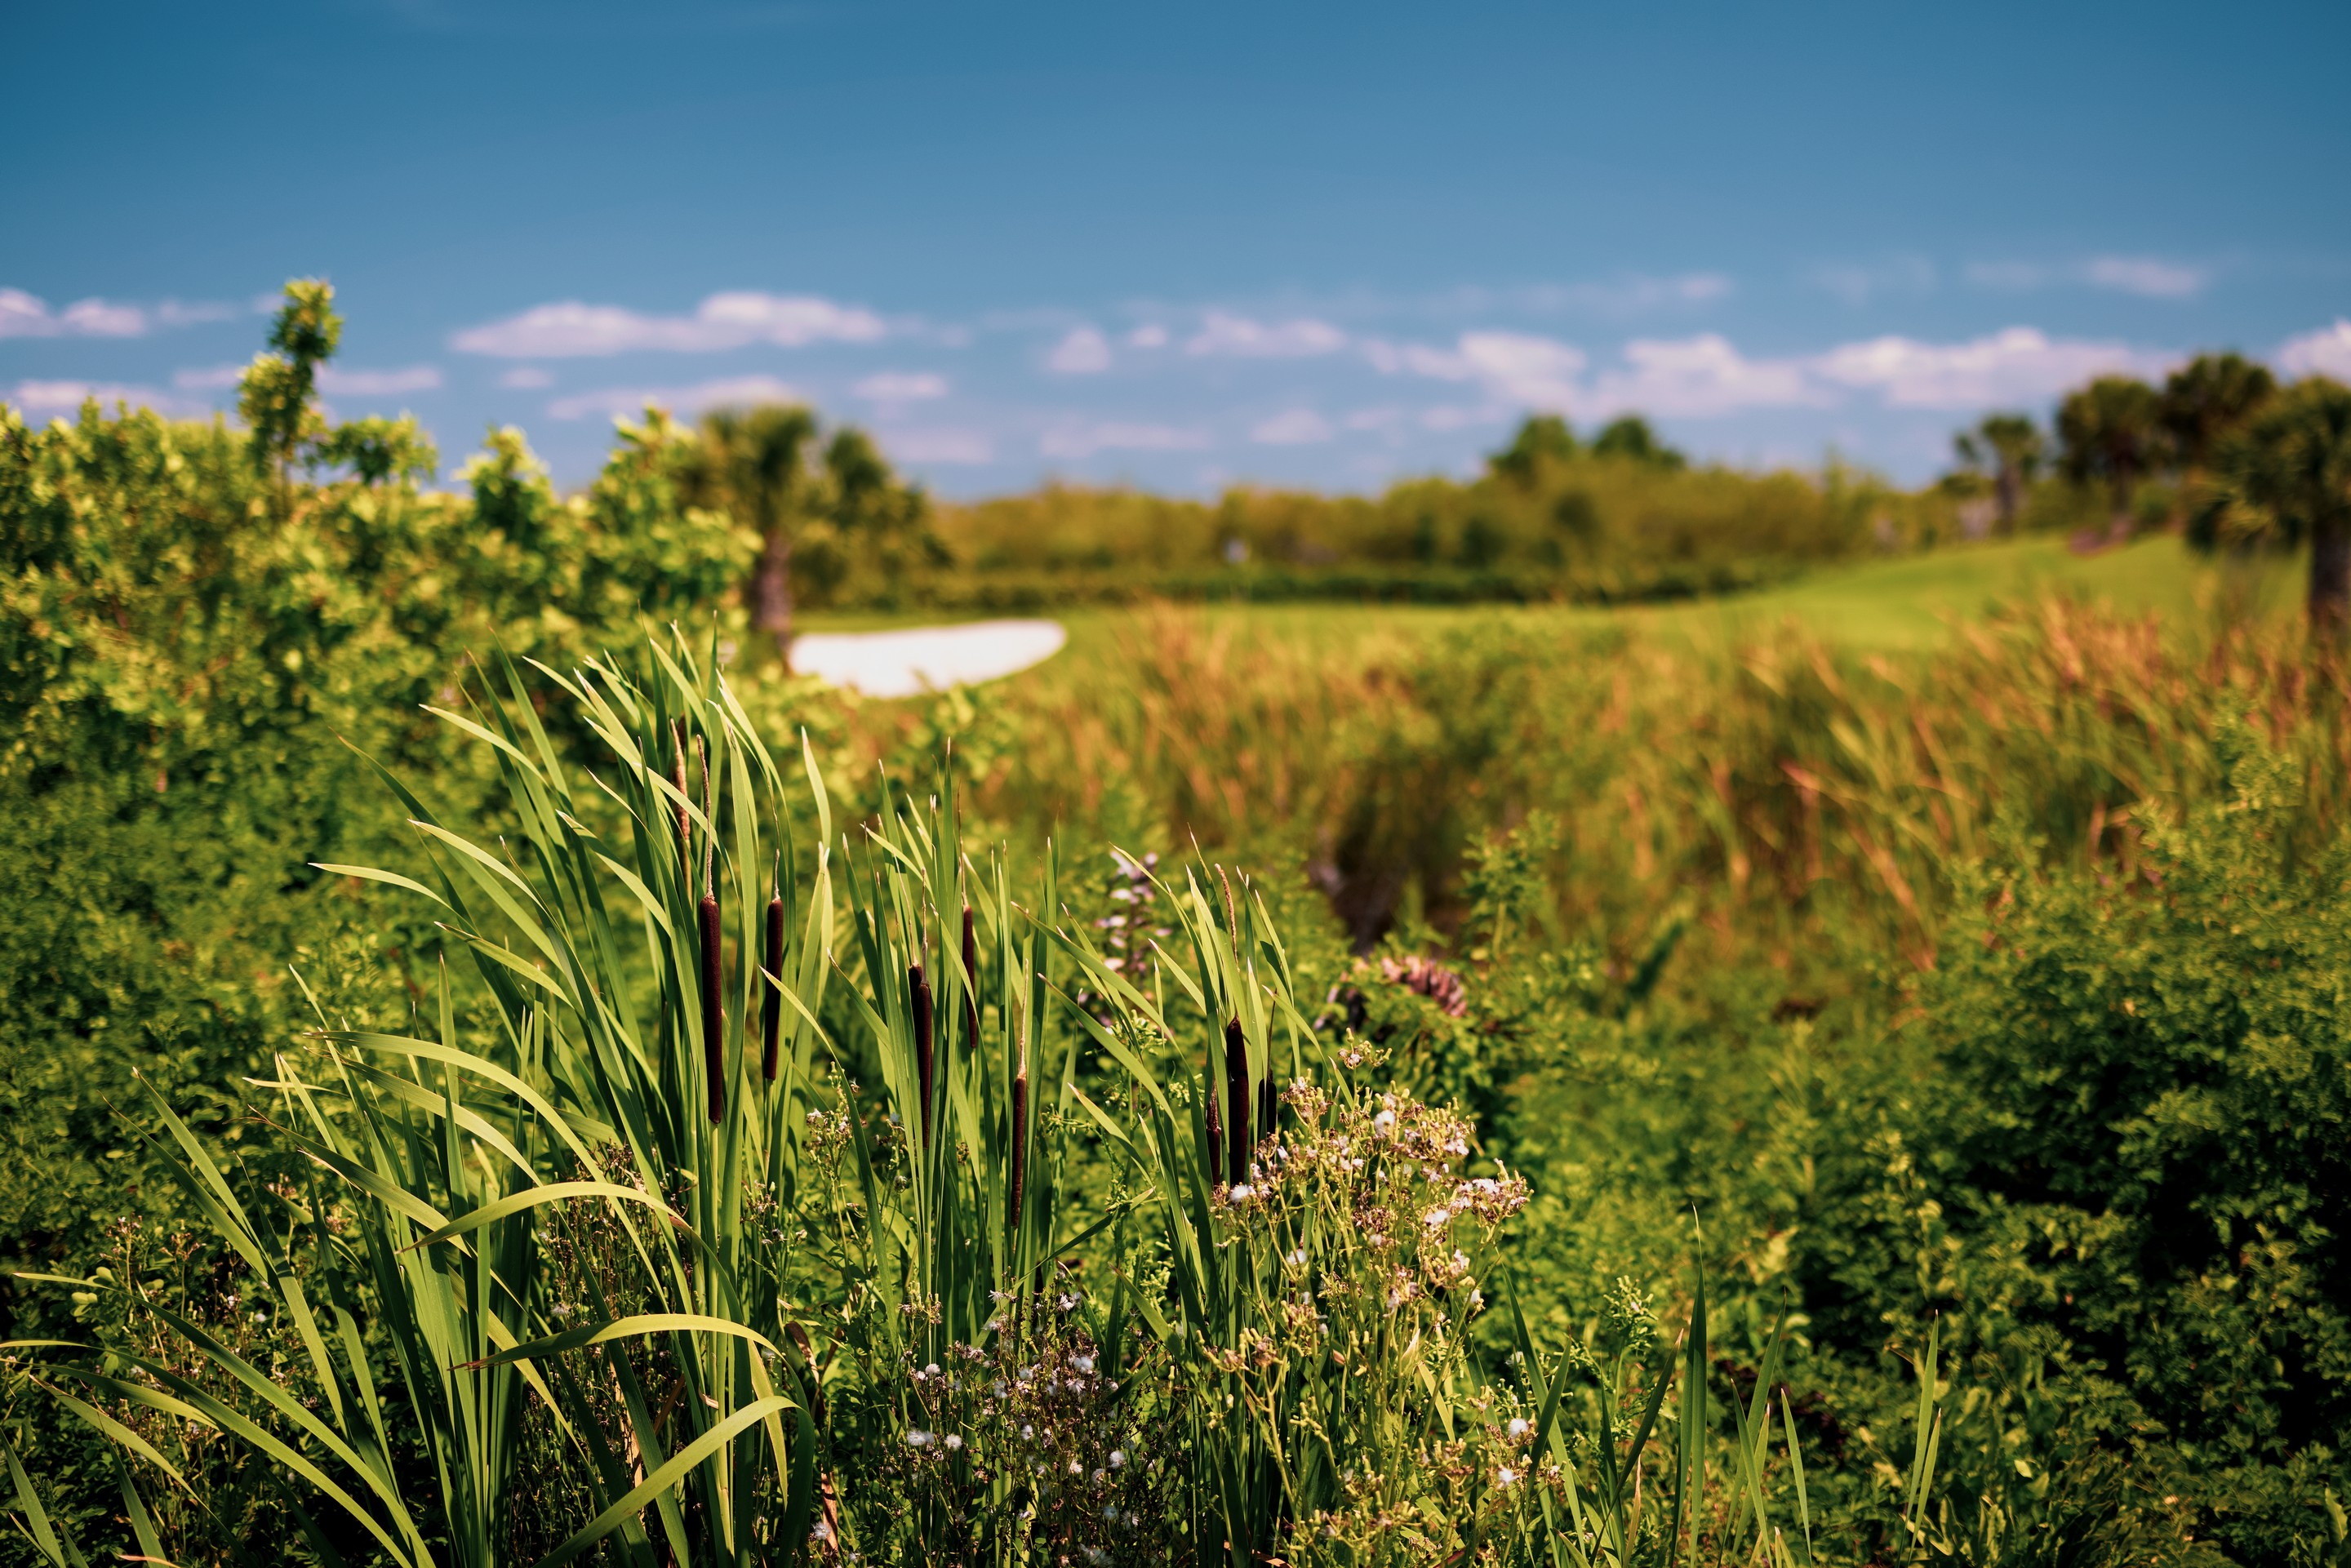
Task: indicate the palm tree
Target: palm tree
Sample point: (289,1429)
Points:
(2285,478)
(753,464)
(2011,446)
(2111,432)
(2209,398)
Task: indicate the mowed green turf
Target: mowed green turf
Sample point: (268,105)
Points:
(1915,602)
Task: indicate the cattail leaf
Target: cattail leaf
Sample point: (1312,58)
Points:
(534,1197)
(659,1480)
(392,878)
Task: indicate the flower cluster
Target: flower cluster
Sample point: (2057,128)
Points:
(1029,1437)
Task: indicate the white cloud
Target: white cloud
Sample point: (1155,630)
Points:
(526,377)
(939,446)
(733,321)
(1706,376)
(1292,427)
(1080,438)
(1085,353)
(622,401)
(2150,277)
(902,386)
(1240,337)
(1151,335)
(1698,377)
(24,316)
(65,397)
(378,383)
(211,378)
(2325,352)
(1517,366)
(2021,364)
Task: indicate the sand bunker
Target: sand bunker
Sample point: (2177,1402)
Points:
(927,658)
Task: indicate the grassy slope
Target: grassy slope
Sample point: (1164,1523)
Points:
(1907,603)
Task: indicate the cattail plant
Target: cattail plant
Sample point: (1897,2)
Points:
(771,1006)
(714,1010)
(970,983)
(918,1005)
(1236,1099)
(1018,1140)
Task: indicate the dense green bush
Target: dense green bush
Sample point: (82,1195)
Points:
(200,654)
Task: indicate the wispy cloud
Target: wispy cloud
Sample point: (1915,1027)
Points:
(61,397)
(338,382)
(333,380)
(1700,377)
(526,377)
(2149,277)
(1519,366)
(2325,352)
(734,320)
(21,315)
(2022,364)
(1242,337)
(1150,335)
(622,402)
(1858,283)
(1706,376)
(1630,294)
(961,446)
(1291,427)
(901,386)
(1078,438)
(1083,353)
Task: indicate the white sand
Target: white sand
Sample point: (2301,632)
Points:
(927,658)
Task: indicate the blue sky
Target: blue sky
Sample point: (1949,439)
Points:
(1180,245)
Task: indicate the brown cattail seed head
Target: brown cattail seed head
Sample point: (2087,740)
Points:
(1236,1099)
(713,1016)
(771,1006)
(970,983)
(918,1002)
(1020,1145)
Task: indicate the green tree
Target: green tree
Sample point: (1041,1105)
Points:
(2011,449)
(2285,480)
(1543,439)
(275,394)
(753,464)
(2209,399)
(1629,436)
(2110,432)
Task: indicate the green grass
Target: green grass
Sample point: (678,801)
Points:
(1915,601)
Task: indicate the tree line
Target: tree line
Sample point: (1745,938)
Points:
(2243,462)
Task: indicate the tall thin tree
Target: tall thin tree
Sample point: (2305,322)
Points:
(754,464)
(2110,432)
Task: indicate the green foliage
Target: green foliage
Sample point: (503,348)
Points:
(1875,1108)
